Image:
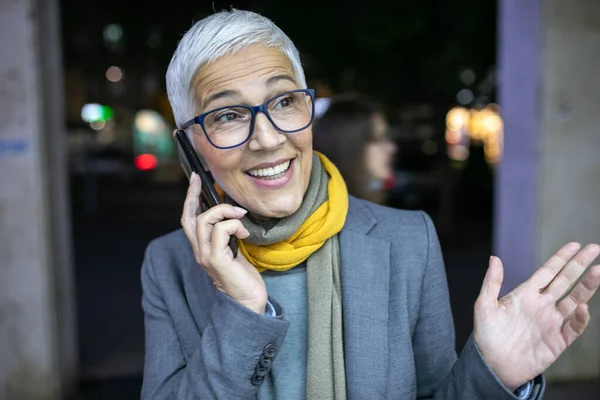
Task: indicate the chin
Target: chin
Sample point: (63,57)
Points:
(280,208)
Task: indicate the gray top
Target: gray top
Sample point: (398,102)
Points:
(287,377)
(398,328)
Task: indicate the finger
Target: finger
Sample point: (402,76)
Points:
(223,231)
(546,273)
(207,220)
(574,327)
(190,207)
(582,292)
(192,197)
(492,283)
(571,272)
(220,212)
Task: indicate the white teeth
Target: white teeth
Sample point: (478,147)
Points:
(271,171)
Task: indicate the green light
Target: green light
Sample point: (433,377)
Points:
(106,113)
(96,113)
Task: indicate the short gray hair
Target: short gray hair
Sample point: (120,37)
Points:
(213,37)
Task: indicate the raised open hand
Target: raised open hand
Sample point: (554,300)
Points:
(523,333)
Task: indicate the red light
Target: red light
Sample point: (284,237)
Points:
(145,162)
(390,182)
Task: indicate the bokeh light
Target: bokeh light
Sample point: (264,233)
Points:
(114,74)
(145,162)
(113,33)
(480,126)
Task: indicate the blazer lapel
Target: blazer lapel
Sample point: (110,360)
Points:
(365,296)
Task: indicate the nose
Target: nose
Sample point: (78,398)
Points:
(265,136)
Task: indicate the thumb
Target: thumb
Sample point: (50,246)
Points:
(492,283)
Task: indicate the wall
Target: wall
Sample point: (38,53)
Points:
(37,326)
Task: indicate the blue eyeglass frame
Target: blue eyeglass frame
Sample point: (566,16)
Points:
(254,110)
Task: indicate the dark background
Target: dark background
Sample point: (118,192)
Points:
(408,55)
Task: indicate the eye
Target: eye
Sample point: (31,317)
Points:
(226,116)
(285,101)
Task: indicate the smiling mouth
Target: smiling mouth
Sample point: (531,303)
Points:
(274,172)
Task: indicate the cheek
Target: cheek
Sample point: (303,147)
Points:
(222,163)
(302,140)
(307,148)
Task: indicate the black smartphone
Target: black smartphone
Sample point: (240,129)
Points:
(190,162)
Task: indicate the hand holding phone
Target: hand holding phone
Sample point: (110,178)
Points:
(211,231)
(191,163)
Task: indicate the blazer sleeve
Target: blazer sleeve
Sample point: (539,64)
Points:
(233,347)
(441,375)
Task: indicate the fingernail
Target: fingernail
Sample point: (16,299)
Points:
(193,177)
(594,248)
(240,209)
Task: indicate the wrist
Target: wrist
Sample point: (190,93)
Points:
(258,307)
(253,303)
(498,367)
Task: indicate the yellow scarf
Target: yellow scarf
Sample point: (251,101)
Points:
(323,223)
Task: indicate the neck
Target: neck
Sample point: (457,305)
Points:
(266,222)
(257,218)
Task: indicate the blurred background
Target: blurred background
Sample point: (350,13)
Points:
(491,106)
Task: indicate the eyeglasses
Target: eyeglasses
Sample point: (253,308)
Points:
(232,126)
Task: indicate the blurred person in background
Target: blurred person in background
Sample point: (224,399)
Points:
(330,296)
(354,134)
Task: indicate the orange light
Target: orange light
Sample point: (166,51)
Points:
(145,162)
(453,137)
(457,118)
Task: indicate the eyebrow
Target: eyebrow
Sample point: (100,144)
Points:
(220,95)
(231,93)
(284,77)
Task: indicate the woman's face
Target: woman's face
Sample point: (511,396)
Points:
(380,151)
(250,77)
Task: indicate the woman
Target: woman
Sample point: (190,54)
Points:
(330,297)
(354,134)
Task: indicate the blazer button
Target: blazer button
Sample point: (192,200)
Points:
(266,361)
(261,371)
(270,350)
(256,380)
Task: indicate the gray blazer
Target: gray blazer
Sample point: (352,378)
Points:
(398,328)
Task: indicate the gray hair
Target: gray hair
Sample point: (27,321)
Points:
(213,37)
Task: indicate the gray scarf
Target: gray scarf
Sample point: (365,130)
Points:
(326,378)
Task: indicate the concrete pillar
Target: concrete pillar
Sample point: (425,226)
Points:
(548,186)
(37,327)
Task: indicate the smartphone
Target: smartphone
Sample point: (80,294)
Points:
(190,162)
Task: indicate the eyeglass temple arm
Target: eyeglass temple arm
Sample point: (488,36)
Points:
(188,124)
